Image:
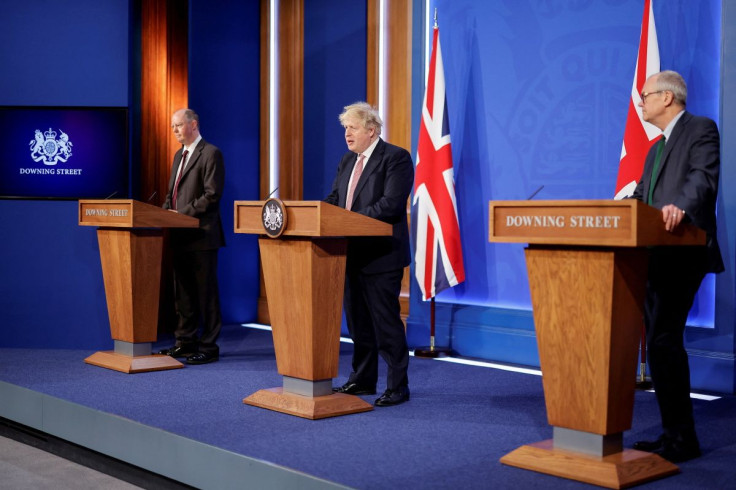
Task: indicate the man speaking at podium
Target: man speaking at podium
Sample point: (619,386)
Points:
(680,177)
(375,178)
(195,188)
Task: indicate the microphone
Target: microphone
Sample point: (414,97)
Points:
(152,195)
(108,197)
(272,193)
(535,193)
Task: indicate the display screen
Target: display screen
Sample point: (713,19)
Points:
(64,152)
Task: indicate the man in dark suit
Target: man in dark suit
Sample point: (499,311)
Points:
(375,178)
(680,177)
(195,188)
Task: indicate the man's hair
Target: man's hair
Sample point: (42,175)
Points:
(673,82)
(190,115)
(363,112)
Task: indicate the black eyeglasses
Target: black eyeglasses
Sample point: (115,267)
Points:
(644,95)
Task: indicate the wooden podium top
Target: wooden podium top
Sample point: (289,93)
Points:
(129,213)
(610,223)
(310,219)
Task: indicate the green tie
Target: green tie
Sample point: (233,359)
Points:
(657,158)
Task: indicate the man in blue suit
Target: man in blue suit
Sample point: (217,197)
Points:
(680,177)
(375,179)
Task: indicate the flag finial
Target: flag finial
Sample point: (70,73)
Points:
(435,17)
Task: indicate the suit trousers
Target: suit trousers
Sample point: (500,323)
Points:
(373,316)
(674,277)
(197,298)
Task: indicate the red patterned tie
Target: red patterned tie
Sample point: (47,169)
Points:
(178,178)
(354,182)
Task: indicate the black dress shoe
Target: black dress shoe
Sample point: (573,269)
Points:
(393,397)
(178,351)
(351,388)
(651,446)
(676,451)
(202,358)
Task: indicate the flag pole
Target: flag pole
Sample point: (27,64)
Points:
(432,350)
(431,111)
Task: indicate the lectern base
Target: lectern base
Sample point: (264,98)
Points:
(132,364)
(619,470)
(318,407)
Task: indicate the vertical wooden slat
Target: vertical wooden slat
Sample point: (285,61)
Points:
(290,113)
(291,98)
(164,89)
(397,30)
(264,101)
(265,152)
(372,47)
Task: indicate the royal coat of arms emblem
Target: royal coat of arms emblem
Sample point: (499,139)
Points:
(49,150)
(274,217)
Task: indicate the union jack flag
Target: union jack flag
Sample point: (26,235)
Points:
(639,135)
(438,255)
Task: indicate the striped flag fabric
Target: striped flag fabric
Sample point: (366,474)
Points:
(438,256)
(638,135)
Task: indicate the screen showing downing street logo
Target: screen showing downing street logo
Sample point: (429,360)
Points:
(64,152)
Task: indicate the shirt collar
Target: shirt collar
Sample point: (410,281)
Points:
(668,130)
(369,151)
(193,145)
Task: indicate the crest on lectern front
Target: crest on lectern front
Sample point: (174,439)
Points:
(273,217)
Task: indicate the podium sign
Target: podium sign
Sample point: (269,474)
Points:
(131,248)
(587,265)
(594,223)
(304,274)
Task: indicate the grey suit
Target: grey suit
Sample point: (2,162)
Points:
(688,178)
(194,250)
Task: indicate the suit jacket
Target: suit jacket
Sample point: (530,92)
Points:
(381,193)
(688,177)
(198,195)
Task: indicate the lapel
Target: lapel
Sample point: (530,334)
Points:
(192,159)
(676,132)
(370,166)
(671,142)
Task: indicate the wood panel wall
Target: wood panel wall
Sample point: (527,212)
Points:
(164,89)
(290,95)
(290,112)
(290,82)
(397,82)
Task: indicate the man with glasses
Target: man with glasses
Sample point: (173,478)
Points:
(680,177)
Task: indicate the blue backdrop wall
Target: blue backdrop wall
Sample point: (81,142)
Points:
(334,76)
(79,54)
(224,47)
(76,53)
(537,94)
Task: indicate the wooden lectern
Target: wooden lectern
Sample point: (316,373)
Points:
(304,273)
(130,237)
(587,265)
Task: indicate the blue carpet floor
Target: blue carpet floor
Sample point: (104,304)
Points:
(460,421)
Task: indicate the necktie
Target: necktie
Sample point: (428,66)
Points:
(178,177)
(354,182)
(655,170)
